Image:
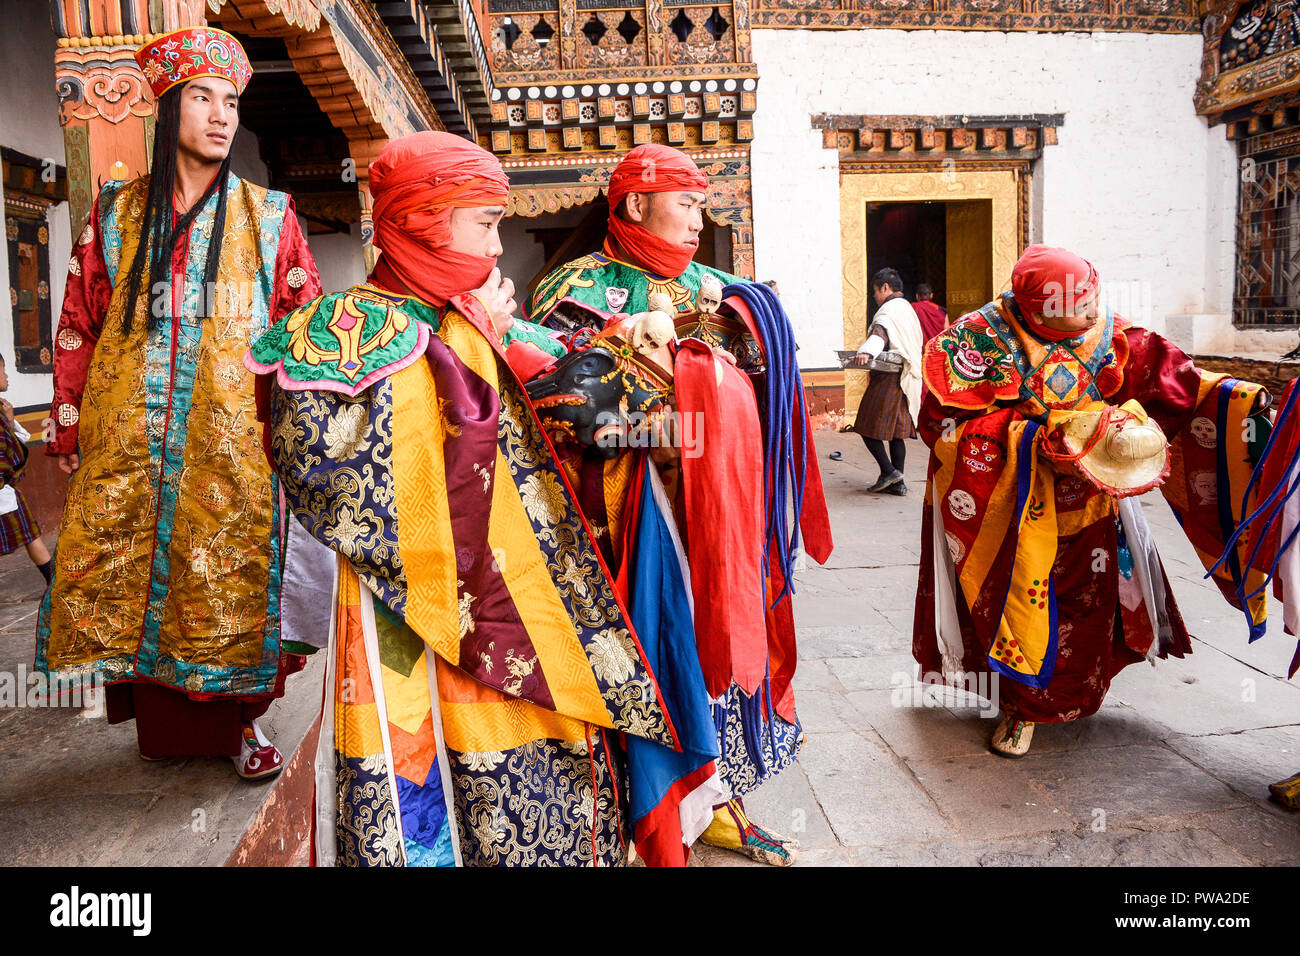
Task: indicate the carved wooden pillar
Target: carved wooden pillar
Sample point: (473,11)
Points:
(364,153)
(731,205)
(368,251)
(742,250)
(568,34)
(656,31)
(740,30)
(105,106)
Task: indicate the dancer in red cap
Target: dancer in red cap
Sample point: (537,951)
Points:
(730,497)
(1047,415)
(170,570)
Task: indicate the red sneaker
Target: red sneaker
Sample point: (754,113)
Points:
(258,758)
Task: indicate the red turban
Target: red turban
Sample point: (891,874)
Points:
(416,182)
(653,168)
(1053,282)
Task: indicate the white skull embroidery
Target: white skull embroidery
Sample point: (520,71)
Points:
(961,504)
(1203,430)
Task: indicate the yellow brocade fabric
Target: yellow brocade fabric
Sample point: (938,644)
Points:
(511,766)
(433,609)
(617,486)
(616,482)
(1021,508)
(167,564)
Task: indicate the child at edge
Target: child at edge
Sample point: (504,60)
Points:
(18,527)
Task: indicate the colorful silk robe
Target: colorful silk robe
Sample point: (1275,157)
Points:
(1269,524)
(1035,574)
(13,455)
(481,658)
(758,732)
(609,285)
(169,558)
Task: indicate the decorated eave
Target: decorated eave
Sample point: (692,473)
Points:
(1264,126)
(593,76)
(869,138)
(554,119)
(32,183)
(1084,16)
(440,39)
(1250,65)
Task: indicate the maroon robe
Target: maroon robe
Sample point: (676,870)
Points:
(1092,645)
(934,319)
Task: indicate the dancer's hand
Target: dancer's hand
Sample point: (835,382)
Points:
(68,464)
(664,450)
(665,456)
(498,297)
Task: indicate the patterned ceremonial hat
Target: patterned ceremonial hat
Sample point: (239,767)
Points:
(183,55)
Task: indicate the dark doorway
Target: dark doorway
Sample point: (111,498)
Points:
(910,237)
(305,154)
(948,245)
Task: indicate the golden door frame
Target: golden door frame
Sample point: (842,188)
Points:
(1005,184)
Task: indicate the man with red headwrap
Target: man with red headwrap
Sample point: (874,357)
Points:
(729,500)
(481,665)
(1045,419)
(657,197)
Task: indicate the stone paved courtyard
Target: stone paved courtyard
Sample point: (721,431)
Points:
(1178,759)
(1173,770)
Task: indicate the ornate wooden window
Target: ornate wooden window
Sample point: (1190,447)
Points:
(30,188)
(1250,82)
(1267,289)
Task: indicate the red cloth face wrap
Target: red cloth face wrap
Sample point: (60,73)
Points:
(416,182)
(652,168)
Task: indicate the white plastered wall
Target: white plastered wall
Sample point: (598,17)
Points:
(1138,183)
(29,123)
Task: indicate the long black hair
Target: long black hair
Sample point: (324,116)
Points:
(158,236)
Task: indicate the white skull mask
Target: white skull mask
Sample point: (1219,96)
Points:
(651,331)
(709,298)
(660,302)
